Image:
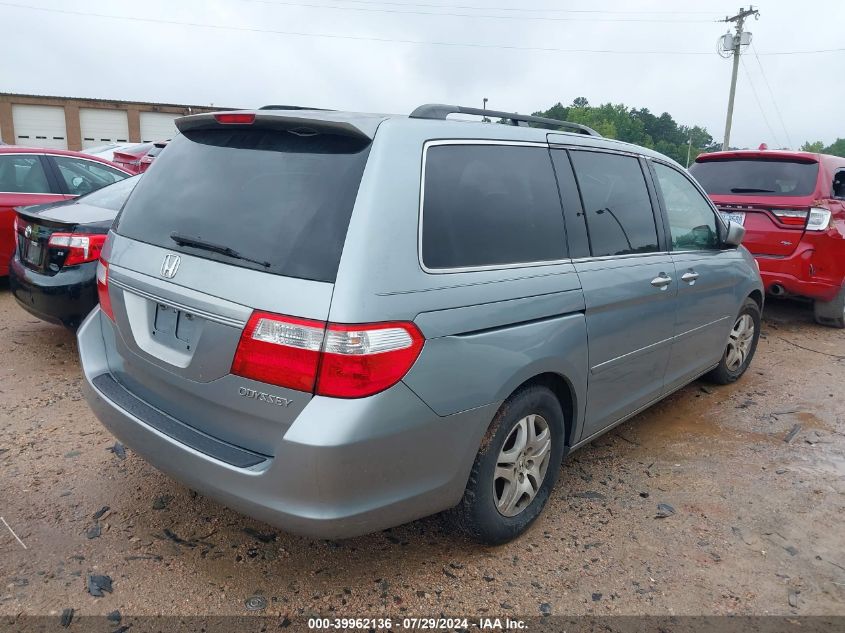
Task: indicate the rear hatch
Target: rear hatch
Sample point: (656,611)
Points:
(770,196)
(231,219)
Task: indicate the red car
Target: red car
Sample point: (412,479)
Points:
(792,205)
(37,175)
(129,158)
(150,156)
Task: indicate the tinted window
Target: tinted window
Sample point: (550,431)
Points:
(616,203)
(759,177)
(84,176)
(692,223)
(839,184)
(113,196)
(487,205)
(271,195)
(22,174)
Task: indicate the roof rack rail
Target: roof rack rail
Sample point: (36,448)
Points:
(441,111)
(292,107)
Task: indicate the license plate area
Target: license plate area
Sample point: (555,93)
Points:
(174,328)
(737,217)
(32,252)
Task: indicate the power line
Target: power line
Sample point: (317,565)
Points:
(531,9)
(771,94)
(759,103)
(368,9)
(359,38)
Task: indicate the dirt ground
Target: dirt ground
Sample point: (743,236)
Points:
(757,528)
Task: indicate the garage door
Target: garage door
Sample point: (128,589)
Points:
(39,126)
(157,126)
(101,126)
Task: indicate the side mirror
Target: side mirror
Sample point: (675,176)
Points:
(76,182)
(735,234)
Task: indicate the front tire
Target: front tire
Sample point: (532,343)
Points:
(741,345)
(515,468)
(831,313)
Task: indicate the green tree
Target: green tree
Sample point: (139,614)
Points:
(816,147)
(837,148)
(638,126)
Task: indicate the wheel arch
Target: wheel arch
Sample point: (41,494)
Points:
(564,391)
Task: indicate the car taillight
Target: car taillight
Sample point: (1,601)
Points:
(791,217)
(103,288)
(819,219)
(282,351)
(80,248)
(235,118)
(360,360)
(338,360)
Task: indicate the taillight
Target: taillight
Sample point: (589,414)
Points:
(343,361)
(80,248)
(235,117)
(17,227)
(360,360)
(282,351)
(819,219)
(791,217)
(103,288)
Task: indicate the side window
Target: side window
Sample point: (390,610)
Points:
(839,184)
(692,223)
(22,174)
(487,205)
(84,176)
(620,219)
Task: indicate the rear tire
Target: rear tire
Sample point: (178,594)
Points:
(742,343)
(831,313)
(515,468)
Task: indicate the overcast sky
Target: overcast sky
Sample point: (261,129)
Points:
(384,57)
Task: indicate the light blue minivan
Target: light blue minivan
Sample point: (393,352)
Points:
(341,322)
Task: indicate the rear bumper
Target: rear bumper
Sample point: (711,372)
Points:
(343,468)
(807,272)
(64,298)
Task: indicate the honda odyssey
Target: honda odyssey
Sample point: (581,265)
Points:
(342,322)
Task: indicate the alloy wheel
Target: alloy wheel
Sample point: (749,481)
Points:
(522,465)
(739,342)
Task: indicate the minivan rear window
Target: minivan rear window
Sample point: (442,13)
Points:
(275,197)
(756,177)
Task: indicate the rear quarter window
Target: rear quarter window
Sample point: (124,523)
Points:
(270,195)
(490,205)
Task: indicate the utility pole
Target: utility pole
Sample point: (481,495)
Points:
(736,44)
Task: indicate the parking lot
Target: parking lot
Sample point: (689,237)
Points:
(754,475)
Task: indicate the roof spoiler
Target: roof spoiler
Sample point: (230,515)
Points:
(442,111)
(272,118)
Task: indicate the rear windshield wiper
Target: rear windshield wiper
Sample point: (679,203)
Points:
(194,242)
(751,190)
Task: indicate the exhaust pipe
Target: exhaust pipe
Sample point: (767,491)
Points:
(777,290)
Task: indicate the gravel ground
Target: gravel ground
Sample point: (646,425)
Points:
(756,529)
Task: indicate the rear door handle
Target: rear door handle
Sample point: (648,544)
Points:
(689,277)
(661,281)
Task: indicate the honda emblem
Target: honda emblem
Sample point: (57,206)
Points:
(169,266)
